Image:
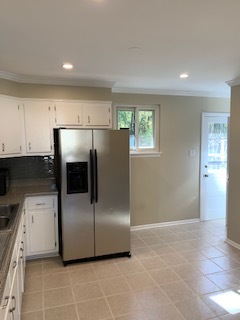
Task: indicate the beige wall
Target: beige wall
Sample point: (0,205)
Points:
(42,91)
(167,188)
(234,172)
(162,189)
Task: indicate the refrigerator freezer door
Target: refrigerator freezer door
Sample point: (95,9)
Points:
(77,217)
(112,218)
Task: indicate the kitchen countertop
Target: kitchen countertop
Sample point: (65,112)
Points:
(17,193)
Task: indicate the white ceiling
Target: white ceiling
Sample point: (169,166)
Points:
(200,37)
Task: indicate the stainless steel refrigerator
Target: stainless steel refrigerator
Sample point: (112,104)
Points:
(93,178)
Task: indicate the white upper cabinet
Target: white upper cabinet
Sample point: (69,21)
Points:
(10,127)
(38,133)
(97,114)
(68,114)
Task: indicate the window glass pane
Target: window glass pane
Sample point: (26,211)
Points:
(217,146)
(126,119)
(146,129)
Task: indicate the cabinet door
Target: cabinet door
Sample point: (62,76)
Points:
(10,127)
(5,303)
(42,233)
(97,114)
(37,127)
(15,298)
(68,114)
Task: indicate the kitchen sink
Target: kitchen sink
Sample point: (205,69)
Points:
(7,216)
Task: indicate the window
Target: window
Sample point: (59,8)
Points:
(142,121)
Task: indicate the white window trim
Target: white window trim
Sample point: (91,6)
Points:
(149,152)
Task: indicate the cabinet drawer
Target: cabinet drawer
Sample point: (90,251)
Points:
(36,203)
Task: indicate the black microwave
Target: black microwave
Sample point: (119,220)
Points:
(4,181)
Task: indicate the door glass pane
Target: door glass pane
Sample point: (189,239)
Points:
(217,146)
(126,119)
(146,128)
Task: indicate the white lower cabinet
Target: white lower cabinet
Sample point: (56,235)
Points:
(42,225)
(10,307)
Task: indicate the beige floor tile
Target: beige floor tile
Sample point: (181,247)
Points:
(152,298)
(153,263)
(162,249)
(131,266)
(57,280)
(53,266)
(57,297)
(208,267)
(142,253)
(230,317)
(33,270)
(32,302)
(211,252)
(186,270)
(137,243)
(36,315)
(61,313)
(193,255)
(145,233)
(33,284)
(212,305)
(168,265)
(114,286)
(164,275)
(173,259)
(201,285)
(181,245)
(194,309)
(93,309)
(151,241)
(177,291)
(138,281)
(82,276)
(87,291)
(164,312)
(169,238)
(226,263)
(224,280)
(137,315)
(123,303)
(106,271)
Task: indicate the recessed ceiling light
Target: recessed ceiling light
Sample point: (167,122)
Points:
(67,66)
(134,49)
(183,75)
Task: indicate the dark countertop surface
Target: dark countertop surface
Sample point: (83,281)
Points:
(18,191)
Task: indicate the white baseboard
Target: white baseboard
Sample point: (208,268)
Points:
(233,244)
(163,224)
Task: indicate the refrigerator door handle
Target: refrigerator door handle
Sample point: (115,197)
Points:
(91,177)
(96,176)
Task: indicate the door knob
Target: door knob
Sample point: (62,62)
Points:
(206,175)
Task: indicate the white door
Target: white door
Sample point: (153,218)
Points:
(214,166)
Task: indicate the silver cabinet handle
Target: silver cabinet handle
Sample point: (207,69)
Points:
(6,302)
(3,147)
(32,220)
(29,146)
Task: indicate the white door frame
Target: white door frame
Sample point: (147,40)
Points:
(204,116)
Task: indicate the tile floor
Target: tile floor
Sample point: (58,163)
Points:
(171,275)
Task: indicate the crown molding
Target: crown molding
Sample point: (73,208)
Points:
(55,81)
(110,84)
(234,82)
(171,92)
